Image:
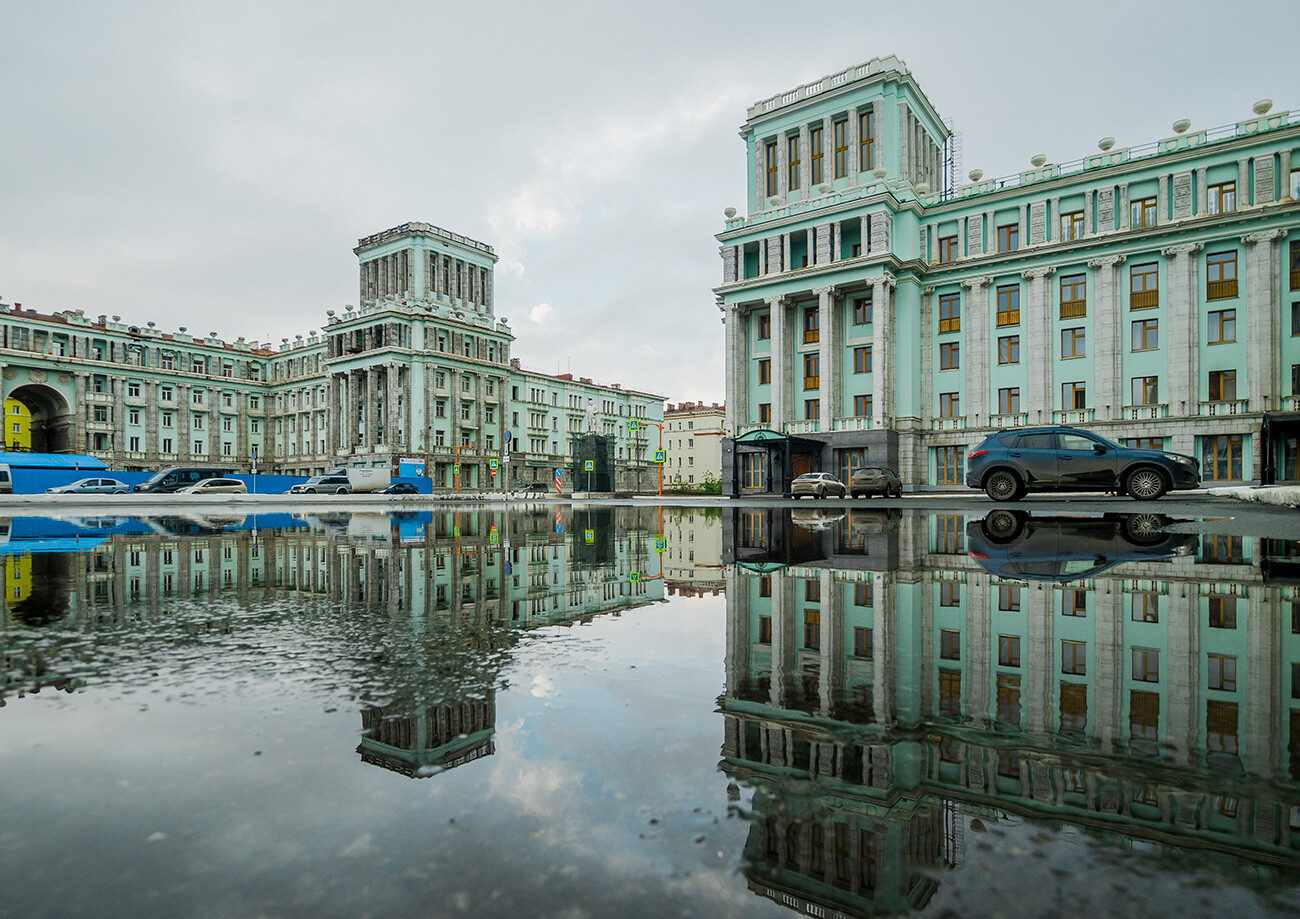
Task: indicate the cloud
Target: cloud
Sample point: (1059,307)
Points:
(541,314)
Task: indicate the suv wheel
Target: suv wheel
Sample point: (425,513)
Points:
(1002,526)
(1003,485)
(1145,484)
(341,491)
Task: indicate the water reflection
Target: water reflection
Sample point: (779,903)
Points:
(894,683)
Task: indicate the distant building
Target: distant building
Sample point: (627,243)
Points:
(693,435)
(421,369)
(881,309)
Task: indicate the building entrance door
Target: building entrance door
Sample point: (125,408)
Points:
(800,463)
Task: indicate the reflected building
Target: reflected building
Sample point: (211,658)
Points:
(693,552)
(884,687)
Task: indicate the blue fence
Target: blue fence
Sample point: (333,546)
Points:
(34,481)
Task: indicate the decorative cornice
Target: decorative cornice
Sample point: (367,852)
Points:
(888,280)
(927,289)
(1184,249)
(1030,274)
(1263,236)
(820,291)
(973,284)
(1107,261)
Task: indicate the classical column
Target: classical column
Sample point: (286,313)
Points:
(1107,331)
(783,635)
(1263,310)
(805,159)
(979,355)
(731,328)
(1036,320)
(1089,225)
(1123,206)
(882,350)
(1202,193)
(828,349)
(831,651)
(927,355)
(780,367)
(1184,333)
(391,370)
(851,138)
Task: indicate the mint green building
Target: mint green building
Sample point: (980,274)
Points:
(879,309)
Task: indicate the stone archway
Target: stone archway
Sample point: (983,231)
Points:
(52,418)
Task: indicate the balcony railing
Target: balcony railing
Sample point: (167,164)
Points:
(1074,309)
(1225,407)
(803,427)
(1221,290)
(1073,416)
(853,424)
(1295,278)
(1141,412)
(1009,419)
(955,423)
(1144,299)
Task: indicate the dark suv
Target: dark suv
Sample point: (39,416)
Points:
(1009,463)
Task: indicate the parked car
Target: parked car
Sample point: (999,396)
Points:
(817,485)
(1010,463)
(1016,545)
(323,485)
(90,487)
(173,478)
(215,487)
(399,488)
(875,480)
(534,488)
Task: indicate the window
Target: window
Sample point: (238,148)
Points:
(862,643)
(815,155)
(198,422)
(166,419)
(1074,658)
(764,326)
(1222,198)
(862,360)
(1146,665)
(133,444)
(866,142)
(765,371)
(440,408)
(752,472)
(1009,237)
(765,628)
(1221,458)
(1145,335)
(792,161)
(812,409)
(840,135)
(1295,318)
(1223,385)
(133,416)
(1146,607)
(1146,390)
(1222,672)
(1073,343)
(1221,275)
(950,644)
(1008,650)
(1008,698)
(133,390)
(1074,396)
(861,310)
(861,406)
(949,313)
(1071,225)
(949,404)
(1221,726)
(949,355)
(1222,610)
(1074,296)
(950,692)
(1009,305)
(1142,213)
(1009,400)
(811,318)
(765,413)
(1009,599)
(947,249)
(1143,286)
(949,591)
(1221,327)
(950,465)
(1009,349)
(1074,602)
(769,152)
(811,371)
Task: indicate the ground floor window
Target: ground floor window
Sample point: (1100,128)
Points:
(1221,458)
(1144,443)
(950,465)
(851,460)
(753,470)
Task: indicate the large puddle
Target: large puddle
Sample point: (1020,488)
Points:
(633,711)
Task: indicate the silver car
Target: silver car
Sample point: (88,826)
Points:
(875,480)
(817,485)
(90,487)
(215,487)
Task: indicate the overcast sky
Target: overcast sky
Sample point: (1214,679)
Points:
(212,165)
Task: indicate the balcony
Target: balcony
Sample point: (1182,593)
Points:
(1221,290)
(1074,416)
(1009,419)
(1074,309)
(852,424)
(104,397)
(1144,299)
(1224,407)
(1145,412)
(803,427)
(955,423)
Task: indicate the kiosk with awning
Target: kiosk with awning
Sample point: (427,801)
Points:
(771,459)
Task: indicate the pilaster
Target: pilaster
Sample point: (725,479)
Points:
(1107,324)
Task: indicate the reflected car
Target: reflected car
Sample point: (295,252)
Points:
(815,519)
(323,485)
(817,485)
(215,487)
(875,480)
(1010,463)
(399,488)
(90,487)
(1018,546)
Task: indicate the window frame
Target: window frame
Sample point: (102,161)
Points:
(949,313)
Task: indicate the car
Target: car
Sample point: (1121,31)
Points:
(817,485)
(173,478)
(1015,545)
(215,487)
(323,485)
(534,488)
(1009,464)
(399,488)
(90,487)
(875,480)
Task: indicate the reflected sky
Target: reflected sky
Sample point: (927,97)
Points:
(500,712)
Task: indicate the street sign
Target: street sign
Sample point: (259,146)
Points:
(661,544)
(589,465)
(492,464)
(633,424)
(456,469)
(590,536)
(506,436)
(493,535)
(493,473)
(634,576)
(559,474)
(659,456)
